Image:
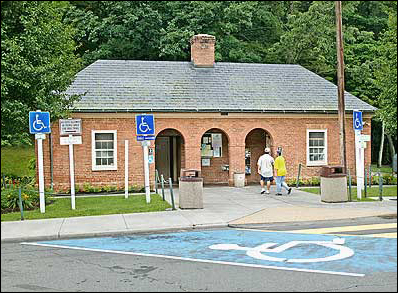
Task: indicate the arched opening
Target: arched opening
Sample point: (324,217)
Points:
(215,157)
(169,153)
(255,143)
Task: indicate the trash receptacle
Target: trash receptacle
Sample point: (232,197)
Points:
(333,184)
(239,179)
(190,189)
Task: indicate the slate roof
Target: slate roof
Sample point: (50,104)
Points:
(166,86)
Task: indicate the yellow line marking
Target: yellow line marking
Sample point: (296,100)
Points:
(343,229)
(346,228)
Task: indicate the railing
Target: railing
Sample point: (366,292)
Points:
(161,181)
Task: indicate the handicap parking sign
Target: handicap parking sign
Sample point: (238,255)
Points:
(145,124)
(357,120)
(39,122)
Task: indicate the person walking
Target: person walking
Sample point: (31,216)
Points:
(265,169)
(280,173)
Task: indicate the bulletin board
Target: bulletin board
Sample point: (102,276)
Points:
(211,145)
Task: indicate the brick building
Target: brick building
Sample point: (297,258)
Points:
(216,117)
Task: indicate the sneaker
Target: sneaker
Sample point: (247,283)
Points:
(290,190)
(278,193)
(262,191)
(267,192)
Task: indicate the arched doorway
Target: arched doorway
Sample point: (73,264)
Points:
(215,157)
(255,143)
(169,154)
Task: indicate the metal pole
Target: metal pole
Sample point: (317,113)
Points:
(162,182)
(172,194)
(380,186)
(340,84)
(20,203)
(349,185)
(370,176)
(4,181)
(298,176)
(51,161)
(156,180)
(366,184)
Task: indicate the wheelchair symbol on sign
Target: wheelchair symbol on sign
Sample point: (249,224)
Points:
(257,252)
(38,125)
(144,127)
(358,123)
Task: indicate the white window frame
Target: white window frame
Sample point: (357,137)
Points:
(317,163)
(96,167)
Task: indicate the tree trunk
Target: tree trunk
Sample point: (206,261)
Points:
(381,146)
(392,148)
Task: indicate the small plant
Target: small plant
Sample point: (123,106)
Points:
(10,199)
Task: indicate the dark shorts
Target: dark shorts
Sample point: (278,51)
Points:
(265,179)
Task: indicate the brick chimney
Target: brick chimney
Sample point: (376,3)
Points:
(202,50)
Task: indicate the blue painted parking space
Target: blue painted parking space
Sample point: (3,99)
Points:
(291,251)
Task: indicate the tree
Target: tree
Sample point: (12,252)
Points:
(37,64)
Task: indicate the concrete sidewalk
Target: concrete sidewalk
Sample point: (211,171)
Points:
(223,206)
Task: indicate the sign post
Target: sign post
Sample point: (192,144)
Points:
(126,168)
(145,130)
(39,125)
(69,127)
(359,152)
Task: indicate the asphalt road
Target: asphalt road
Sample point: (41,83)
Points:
(34,268)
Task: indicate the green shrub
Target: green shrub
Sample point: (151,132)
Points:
(10,199)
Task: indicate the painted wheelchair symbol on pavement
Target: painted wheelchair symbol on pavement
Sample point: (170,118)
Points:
(257,252)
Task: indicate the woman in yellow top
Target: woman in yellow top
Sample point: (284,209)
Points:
(280,169)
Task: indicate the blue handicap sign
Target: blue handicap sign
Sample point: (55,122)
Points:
(145,124)
(357,120)
(39,122)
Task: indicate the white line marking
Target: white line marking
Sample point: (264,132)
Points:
(198,260)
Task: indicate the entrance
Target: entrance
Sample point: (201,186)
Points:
(255,143)
(169,149)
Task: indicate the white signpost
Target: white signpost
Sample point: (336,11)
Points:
(39,125)
(145,130)
(360,146)
(71,126)
(126,168)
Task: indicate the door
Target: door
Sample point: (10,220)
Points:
(162,160)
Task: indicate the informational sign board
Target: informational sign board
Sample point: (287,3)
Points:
(65,140)
(147,137)
(145,124)
(39,122)
(364,137)
(70,126)
(357,120)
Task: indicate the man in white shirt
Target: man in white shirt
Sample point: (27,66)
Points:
(265,169)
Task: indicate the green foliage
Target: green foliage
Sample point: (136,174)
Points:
(93,206)
(10,199)
(38,62)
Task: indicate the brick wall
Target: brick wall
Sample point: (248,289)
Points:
(239,131)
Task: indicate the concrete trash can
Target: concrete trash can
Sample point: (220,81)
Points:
(239,179)
(333,184)
(190,190)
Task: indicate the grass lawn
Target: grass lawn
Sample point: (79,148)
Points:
(15,160)
(383,169)
(93,206)
(371,192)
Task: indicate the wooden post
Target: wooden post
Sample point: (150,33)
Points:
(340,86)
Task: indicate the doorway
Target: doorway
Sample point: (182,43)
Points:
(168,154)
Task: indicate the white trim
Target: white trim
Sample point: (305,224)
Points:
(93,162)
(317,163)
